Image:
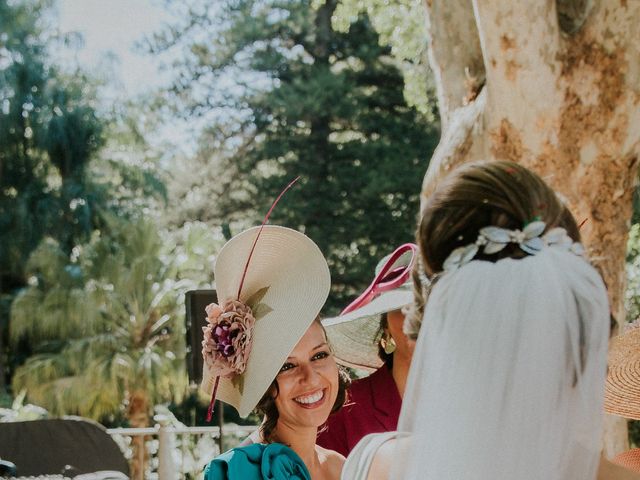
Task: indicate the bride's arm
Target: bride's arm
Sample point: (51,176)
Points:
(381,465)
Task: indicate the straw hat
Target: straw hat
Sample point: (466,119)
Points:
(622,390)
(297,276)
(354,336)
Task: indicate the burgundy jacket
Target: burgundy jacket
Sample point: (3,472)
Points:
(373,406)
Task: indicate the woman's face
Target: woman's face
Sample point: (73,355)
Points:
(307,382)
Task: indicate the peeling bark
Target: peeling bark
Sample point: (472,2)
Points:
(561,95)
(454,54)
(463,139)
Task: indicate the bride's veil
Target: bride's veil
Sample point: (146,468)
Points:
(508,373)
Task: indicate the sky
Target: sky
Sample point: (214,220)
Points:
(115,26)
(111,29)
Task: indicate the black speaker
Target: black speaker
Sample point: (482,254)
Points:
(196,318)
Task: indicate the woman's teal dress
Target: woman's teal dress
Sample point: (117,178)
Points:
(274,461)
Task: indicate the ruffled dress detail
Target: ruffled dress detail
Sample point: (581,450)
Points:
(274,461)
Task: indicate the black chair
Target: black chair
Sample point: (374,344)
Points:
(51,447)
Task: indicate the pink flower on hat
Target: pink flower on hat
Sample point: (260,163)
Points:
(228,338)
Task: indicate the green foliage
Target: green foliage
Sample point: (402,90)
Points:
(632,294)
(104,323)
(126,170)
(63,167)
(401,25)
(53,180)
(48,133)
(285,94)
(634,433)
(632,301)
(636,205)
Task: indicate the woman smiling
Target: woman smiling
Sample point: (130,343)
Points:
(307,389)
(265,348)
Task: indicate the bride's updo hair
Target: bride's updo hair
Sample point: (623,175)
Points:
(512,343)
(499,193)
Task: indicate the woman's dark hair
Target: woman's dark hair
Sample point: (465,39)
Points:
(500,194)
(267,404)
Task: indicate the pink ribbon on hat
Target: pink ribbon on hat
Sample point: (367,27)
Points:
(388,278)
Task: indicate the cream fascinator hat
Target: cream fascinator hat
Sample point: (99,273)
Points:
(272,283)
(355,333)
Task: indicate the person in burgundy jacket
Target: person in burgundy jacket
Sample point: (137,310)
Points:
(368,336)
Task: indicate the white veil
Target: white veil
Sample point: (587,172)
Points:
(507,378)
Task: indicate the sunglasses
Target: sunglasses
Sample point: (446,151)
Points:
(389,277)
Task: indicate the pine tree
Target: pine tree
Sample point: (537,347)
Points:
(106,326)
(54,181)
(284,95)
(48,133)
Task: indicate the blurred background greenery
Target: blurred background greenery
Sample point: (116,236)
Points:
(113,205)
(103,227)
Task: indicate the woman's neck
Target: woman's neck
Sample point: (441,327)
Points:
(400,371)
(301,440)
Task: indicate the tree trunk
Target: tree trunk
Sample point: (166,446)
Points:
(554,85)
(138,415)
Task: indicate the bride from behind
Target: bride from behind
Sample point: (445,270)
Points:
(508,373)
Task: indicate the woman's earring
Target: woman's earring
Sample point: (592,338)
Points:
(388,344)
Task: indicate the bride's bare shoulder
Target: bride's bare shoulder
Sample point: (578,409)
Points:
(380,468)
(383,459)
(331,461)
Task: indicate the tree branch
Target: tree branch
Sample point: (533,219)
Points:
(454,54)
(520,44)
(460,143)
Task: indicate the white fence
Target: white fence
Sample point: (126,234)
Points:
(179,452)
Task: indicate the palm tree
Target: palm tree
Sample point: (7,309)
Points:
(105,325)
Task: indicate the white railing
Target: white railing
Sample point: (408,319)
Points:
(179,452)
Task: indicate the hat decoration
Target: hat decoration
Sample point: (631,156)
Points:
(228,337)
(390,277)
(354,334)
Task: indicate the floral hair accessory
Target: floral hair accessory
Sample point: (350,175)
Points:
(530,240)
(228,337)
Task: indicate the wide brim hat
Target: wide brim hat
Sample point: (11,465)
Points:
(296,273)
(622,388)
(354,336)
